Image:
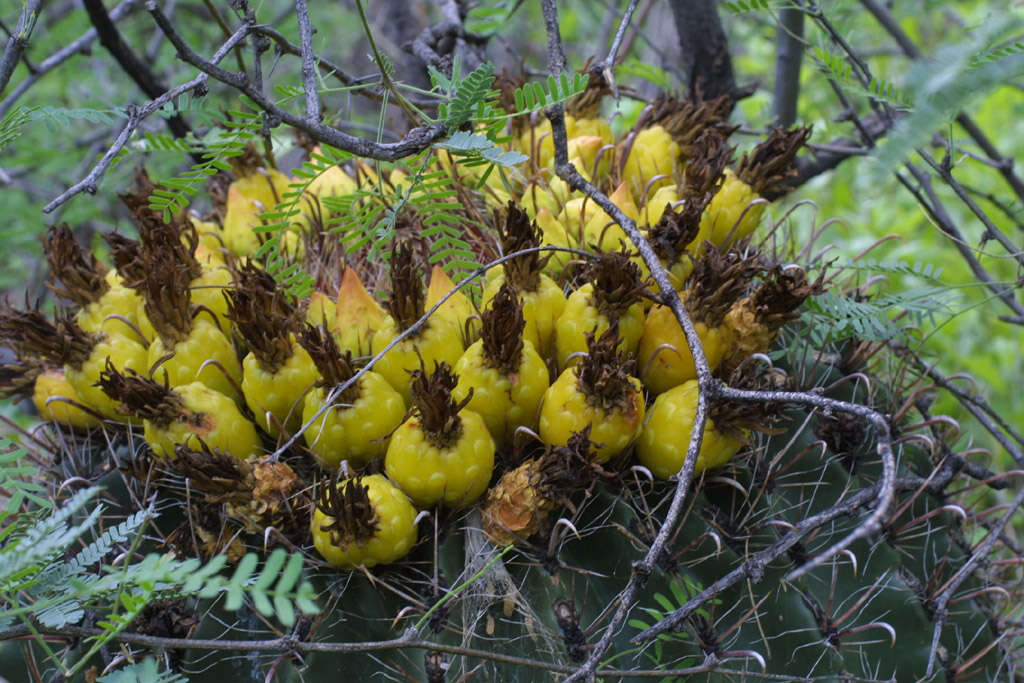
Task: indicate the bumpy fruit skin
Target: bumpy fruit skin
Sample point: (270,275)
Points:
(670,368)
(541,310)
(455,475)
(204,343)
(395,535)
(582,316)
(322,311)
(357,315)
(505,402)
(279,393)
(602,230)
(53,383)
(662,445)
(654,153)
(124,353)
(457,310)
(726,208)
(565,410)
(357,432)
(248,197)
(208,290)
(438,341)
(556,235)
(118,300)
(219,425)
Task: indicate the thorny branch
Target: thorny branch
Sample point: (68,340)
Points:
(414,141)
(73,48)
(708,387)
(135,117)
(18,41)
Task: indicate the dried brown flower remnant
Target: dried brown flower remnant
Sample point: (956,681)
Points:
(502,331)
(604,374)
(75,273)
(519,504)
(438,411)
(770,166)
(349,506)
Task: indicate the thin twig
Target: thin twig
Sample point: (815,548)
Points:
(18,41)
(136,68)
(1001,162)
(416,140)
(605,67)
(309,78)
(136,115)
(77,46)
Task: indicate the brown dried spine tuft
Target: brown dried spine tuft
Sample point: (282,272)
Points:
(335,369)
(604,375)
(177,237)
(146,398)
(687,121)
(75,274)
(719,279)
(167,295)
(18,379)
(518,232)
(617,282)
(408,297)
(222,477)
(770,166)
(502,332)
(587,104)
(432,402)
(705,171)
(263,315)
(126,254)
(34,336)
(353,519)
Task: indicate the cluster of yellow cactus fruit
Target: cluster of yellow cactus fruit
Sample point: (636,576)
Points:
(570,356)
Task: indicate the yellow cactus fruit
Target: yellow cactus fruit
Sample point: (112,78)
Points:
(599,392)
(613,294)
(549,193)
(190,415)
(554,234)
(254,191)
(502,375)
(277,371)
(717,282)
(457,310)
(663,442)
(443,453)
(357,425)
(436,340)
(602,230)
(357,315)
(755,320)
(321,309)
(657,203)
(652,161)
(542,300)
(762,176)
(363,522)
(77,276)
(55,399)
